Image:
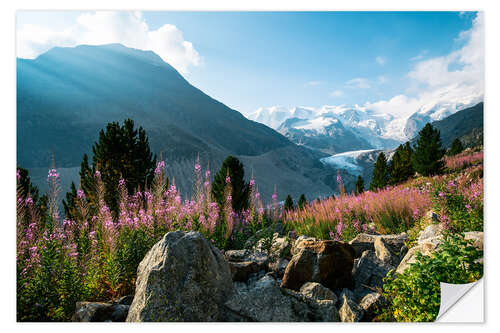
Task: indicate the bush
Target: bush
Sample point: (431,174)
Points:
(414,296)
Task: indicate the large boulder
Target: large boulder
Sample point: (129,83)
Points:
(363,242)
(264,301)
(327,262)
(100,312)
(182,278)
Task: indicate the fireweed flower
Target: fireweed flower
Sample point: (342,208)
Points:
(80,194)
(339,179)
(160,167)
(18,174)
(228,179)
(275,196)
(97,174)
(197,167)
(252,182)
(121,182)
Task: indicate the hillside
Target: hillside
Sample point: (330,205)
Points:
(467,125)
(66,95)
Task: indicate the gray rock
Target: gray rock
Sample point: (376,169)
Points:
(317,291)
(264,301)
(369,303)
(244,262)
(369,271)
(429,242)
(182,278)
(431,231)
(426,248)
(278,267)
(366,242)
(100,312)
(350,311)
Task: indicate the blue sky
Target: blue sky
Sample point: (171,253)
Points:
(252,59)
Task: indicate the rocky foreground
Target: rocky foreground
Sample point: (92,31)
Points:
(185,278)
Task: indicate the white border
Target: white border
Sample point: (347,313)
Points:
(492,161)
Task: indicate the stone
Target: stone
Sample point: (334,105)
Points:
(429,241)
(317,291)
(182,278)
(298,244)
(369,271)
(100,312)
(426,248)
(263,301)
(477,237)
(278,267)
(382,252)
(431,231)
(350,311)
(369,303)
(327,262)
(244,262)
(363,242)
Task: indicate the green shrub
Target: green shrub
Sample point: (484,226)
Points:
(414,296)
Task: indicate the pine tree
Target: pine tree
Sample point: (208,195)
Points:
(302,201)
(288,203)
(380,173)
(25,189)
(120,152)
(360,185)
(456,147)
(401,166)
(233,169)
(427,158)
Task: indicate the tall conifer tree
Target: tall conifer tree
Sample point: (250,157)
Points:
(380,173)
(232,170)
(428,156)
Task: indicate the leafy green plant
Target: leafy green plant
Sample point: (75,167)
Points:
(414,296)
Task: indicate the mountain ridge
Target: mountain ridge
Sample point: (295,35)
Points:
(66,95)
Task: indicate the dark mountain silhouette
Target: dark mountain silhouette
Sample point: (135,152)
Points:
(66,95)
(466,125)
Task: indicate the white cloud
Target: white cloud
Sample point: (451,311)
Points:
(358,83)
(102,27)
(380,60)
(454,79)
(399,106)
(382,79)
(337,93)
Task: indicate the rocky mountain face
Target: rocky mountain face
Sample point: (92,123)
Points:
(65,96)
(466,125)
(338,129)
(435,112)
